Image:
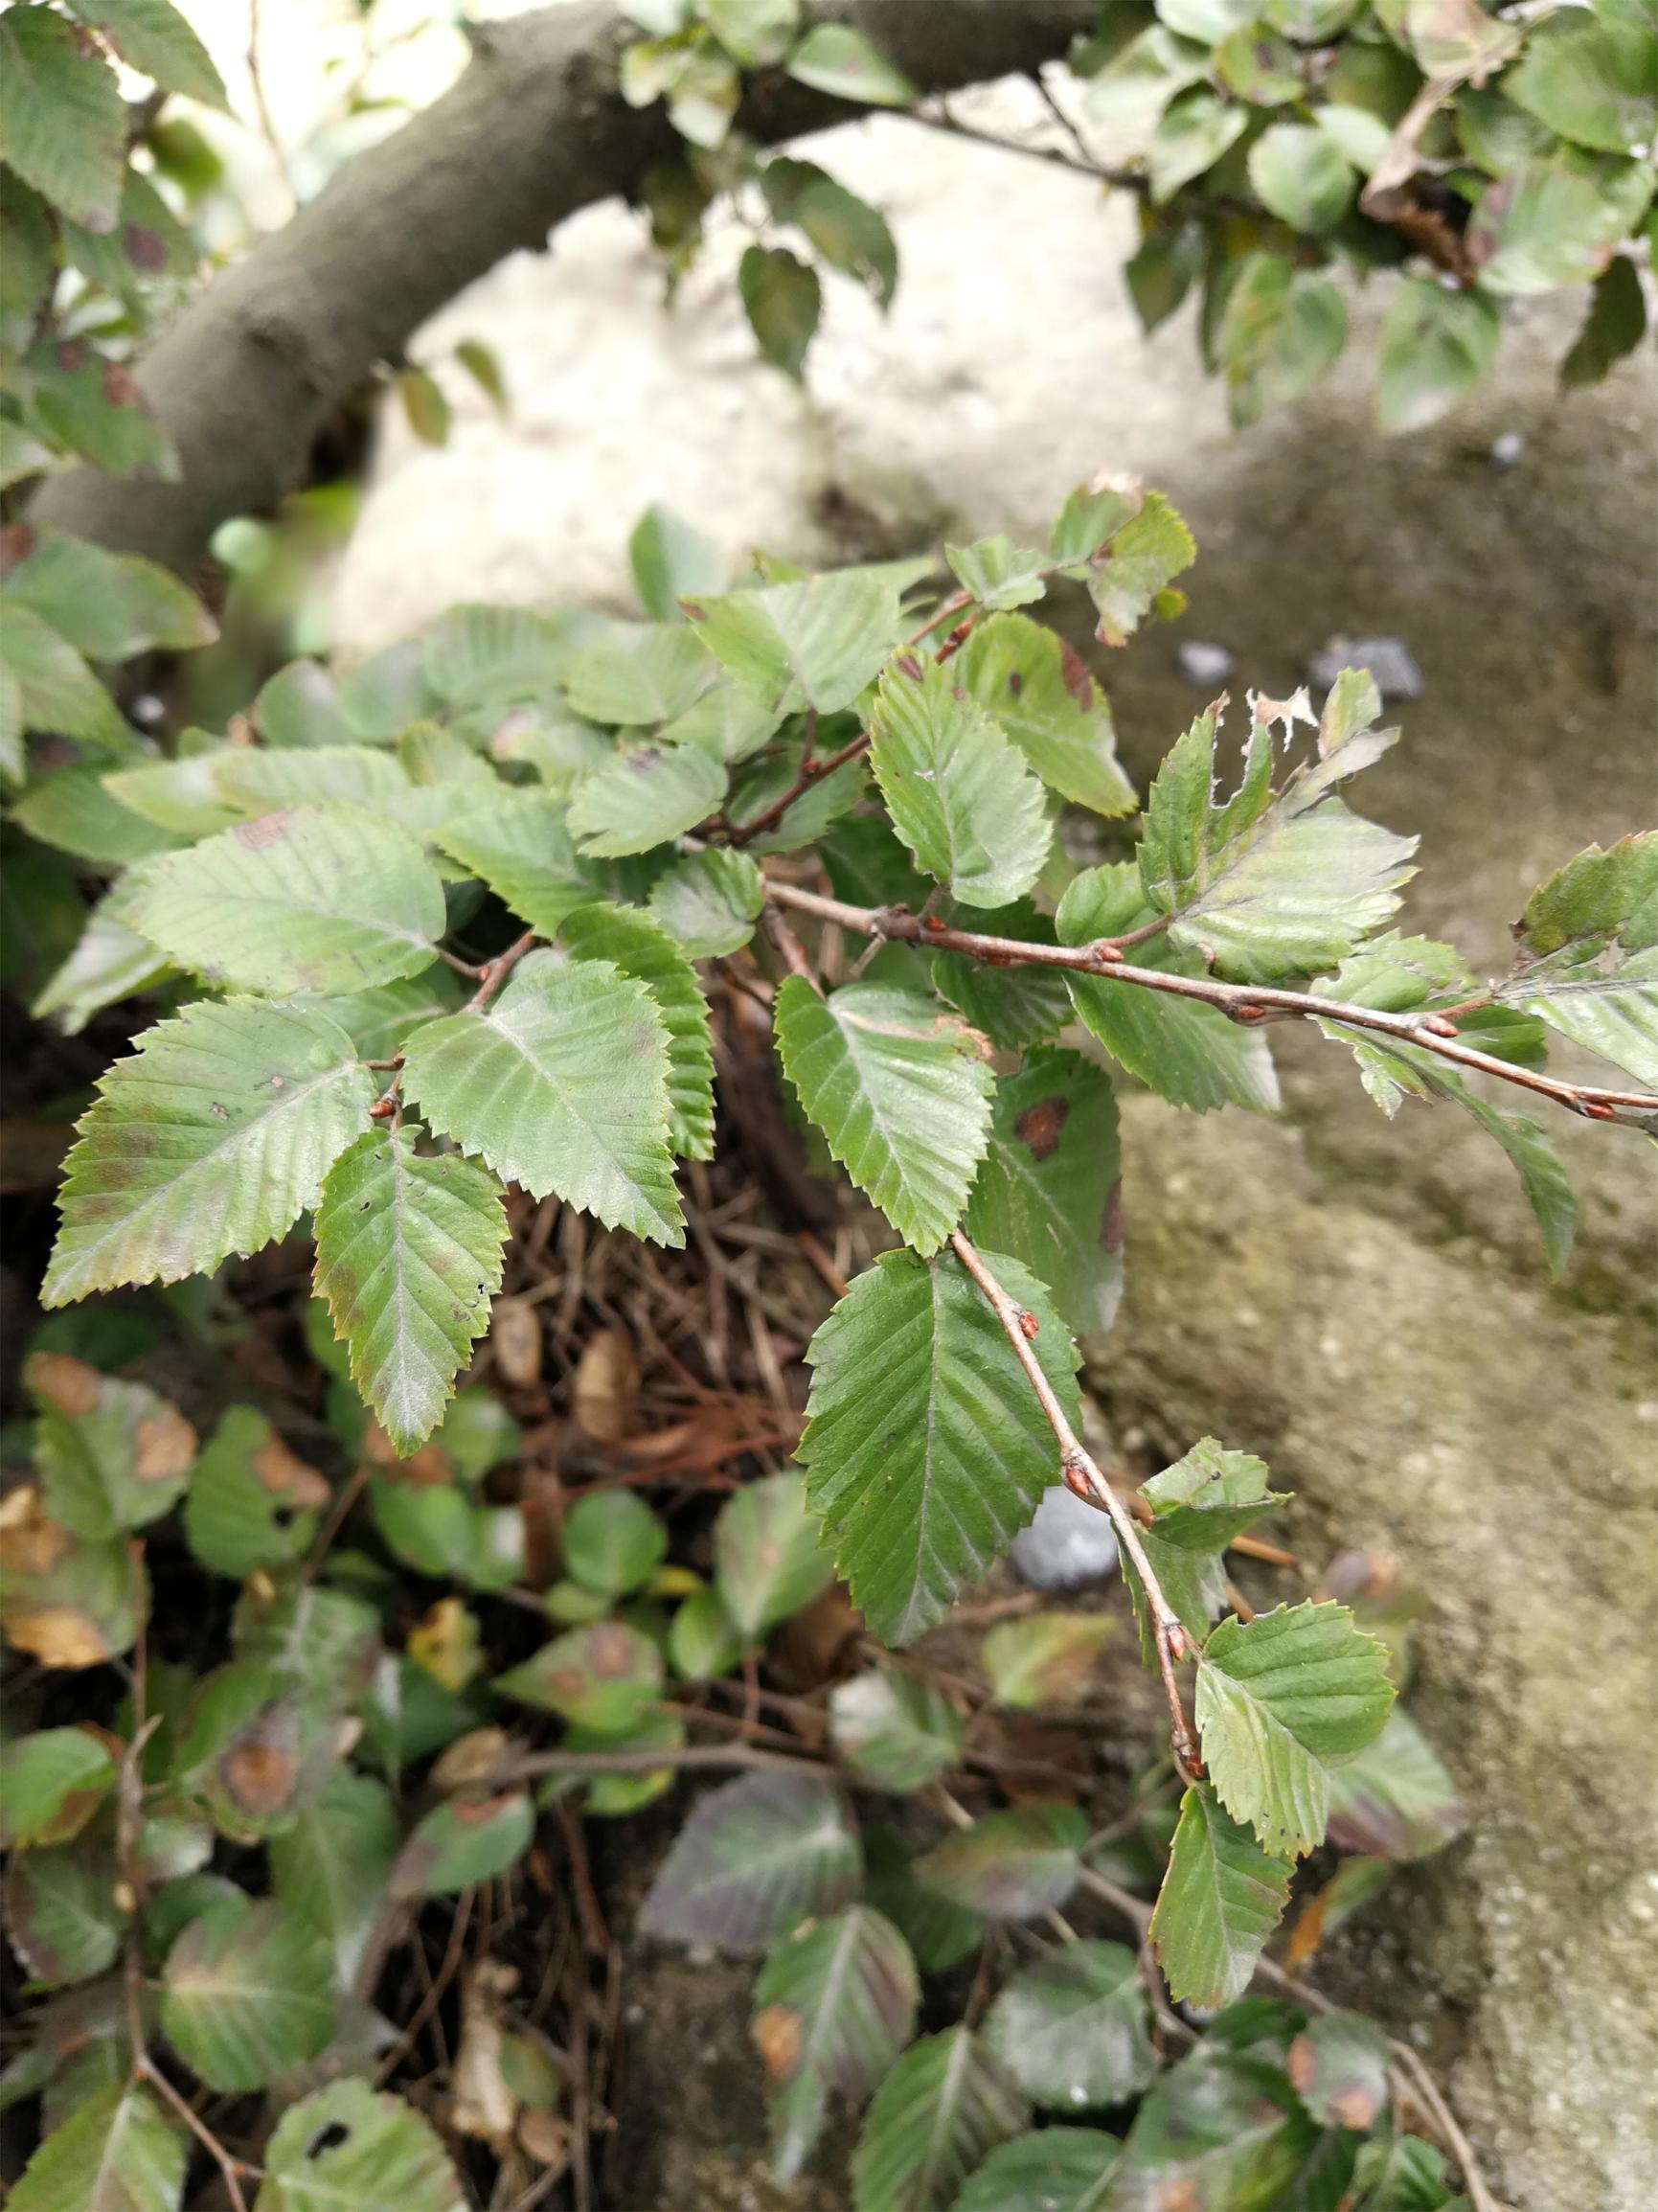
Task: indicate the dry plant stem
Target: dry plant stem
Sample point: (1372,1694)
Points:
(1243,1002)
(1168,1639)
(434,1996)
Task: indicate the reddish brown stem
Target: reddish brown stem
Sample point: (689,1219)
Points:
(1081,1474)
(1244,1002)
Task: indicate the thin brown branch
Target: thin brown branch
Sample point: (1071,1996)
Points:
(1082,1475)
(230,2170)
(1242,1002)
(494,972)
(812,771)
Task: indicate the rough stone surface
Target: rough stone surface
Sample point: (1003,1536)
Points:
(1361,1301)
(1502,1452)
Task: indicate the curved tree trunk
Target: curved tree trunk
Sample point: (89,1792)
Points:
(532,130)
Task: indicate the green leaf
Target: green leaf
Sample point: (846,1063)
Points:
(1125,98)
(108,964)
(1212,2131)
(670,557)
(756,1856)
(640,947)
(1589,946)
(836,58)
(463,1841)
(702,1641)
(1138,561)
(1050,1190)
(71,1601)
(643,798)
(425,406)
(71,810)
(944,2104)
(813,644)
(769,1554)
(1614,326)
(1195,130)
(1199,1505)
(483,365)
(1594,82)
(1542,225)
(348,2145)
(1282,1702)
(613,1796)
(109,1455)
(1396,1800)
(1043,1658)
(1436,346)
(1339,2067)
(638,673)
(318,899)
(62,1912)
(613,1543)
(51,1783)
(709,901)
(1037,692)
(834,2005)
(1073,2029)
(330,1867)
(845,230)
(1270,887)
(894,1082)
(440,1533)
(1189,1053)
(782,300)
(1010,1865)
(517,843)
(58,692)
(998,572)
(408,1259)
(561,1084)
(154,37)
(257,1102)
(258,780)
(605,1677)
(1401,2173)
(245,1993)
(108,605)
(62,118)
(939,1933)
(485,658)
(925,1450)
(1300,177)
(1220,1900)
(755,33)
(179,795)
(894,1727)
(1160,273)
(252,1503)
(1309,22)
(1281,328)
(959,793)
(300,705)
(1052,2170)
(116,2153)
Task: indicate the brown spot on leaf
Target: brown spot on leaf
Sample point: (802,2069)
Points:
(144,248)
(261,1768)
(288,1477)
(1178,2193)
(16,543)
(30,1543)
(777,2035)
(267,830)
(1077,681)
(57,1635)
(120,386)
(163,1445)
(479,1812)
(1355,2107)
(610,1649)
(72,356)
(468,1761)
(1302,2065)
(1039,1126)
(1111,1219)
(70,1384)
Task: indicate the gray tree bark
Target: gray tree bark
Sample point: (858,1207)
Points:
(533,129)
